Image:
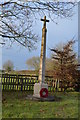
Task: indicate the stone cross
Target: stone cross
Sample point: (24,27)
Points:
(43,52)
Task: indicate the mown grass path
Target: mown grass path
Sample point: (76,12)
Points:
(15,105)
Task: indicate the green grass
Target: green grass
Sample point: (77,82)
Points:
(15,105)
(0,109)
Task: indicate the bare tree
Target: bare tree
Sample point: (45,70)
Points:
(8,66)
(34,63)
(17,18)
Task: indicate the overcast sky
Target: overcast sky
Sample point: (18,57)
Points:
(65,30)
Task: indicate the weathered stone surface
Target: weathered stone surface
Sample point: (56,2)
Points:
(41,84)
(38,87)
(43,52)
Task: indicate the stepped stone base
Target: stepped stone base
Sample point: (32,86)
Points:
(37,88)
(49,98)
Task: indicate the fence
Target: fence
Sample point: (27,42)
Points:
(26,82)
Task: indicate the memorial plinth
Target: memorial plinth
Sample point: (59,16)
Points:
(38,87)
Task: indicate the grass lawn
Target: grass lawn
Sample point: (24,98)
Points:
(15,105)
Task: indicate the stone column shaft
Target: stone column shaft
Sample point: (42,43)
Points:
(42,56)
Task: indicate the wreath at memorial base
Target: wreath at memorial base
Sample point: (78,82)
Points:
(44,92)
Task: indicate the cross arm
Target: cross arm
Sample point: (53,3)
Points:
(45,20)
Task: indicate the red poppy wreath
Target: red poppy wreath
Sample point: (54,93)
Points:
(44,93)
